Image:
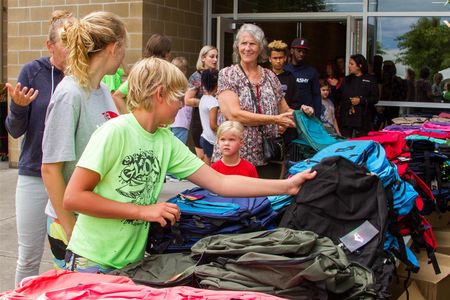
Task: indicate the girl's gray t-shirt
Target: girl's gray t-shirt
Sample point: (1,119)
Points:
(73,114)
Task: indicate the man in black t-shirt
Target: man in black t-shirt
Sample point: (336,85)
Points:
(278,54)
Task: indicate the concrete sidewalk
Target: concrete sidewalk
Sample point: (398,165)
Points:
(8,233)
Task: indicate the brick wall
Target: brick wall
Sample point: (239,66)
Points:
(181,20)
(28,21)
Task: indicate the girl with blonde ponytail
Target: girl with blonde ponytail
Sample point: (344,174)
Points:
(95,47)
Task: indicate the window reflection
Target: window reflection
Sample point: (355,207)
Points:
(222,6)
(410,43)
(409,5)
(260,6)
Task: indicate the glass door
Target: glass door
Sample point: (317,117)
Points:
(224,40)
(354,37)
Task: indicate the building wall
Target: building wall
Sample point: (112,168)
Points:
(28,21)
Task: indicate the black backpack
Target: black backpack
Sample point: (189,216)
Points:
(346,202)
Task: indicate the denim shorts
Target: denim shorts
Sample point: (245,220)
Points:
(207,147)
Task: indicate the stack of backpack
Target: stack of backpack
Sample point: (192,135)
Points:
(204,213)
(346,203)
(287,263)
(403,215)
(398,152)
(428,163)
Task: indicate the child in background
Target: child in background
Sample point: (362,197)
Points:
(446,92)
(113,82)
(127,159)
(230,138)
(327,115)
(158,45)
(208,108)
(180,126)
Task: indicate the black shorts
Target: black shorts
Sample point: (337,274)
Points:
(196,127)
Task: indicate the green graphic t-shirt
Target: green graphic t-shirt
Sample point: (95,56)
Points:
(132,164)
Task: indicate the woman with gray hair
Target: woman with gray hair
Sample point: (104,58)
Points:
(266,113)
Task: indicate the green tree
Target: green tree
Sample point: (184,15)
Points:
(379,49)
(427,43)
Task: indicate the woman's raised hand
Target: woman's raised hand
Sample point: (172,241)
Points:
(285,120)
(21,96)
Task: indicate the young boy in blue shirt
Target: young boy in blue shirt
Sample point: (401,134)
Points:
(116,184)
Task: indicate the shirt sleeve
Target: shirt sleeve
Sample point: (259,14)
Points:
(183,162)
(253,172)
(225,81)
(123,88)
(58,144)
(195,80)
(212,102)
(16,122)
(216,166)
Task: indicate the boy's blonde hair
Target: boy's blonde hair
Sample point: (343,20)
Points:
(85,37)
(233,127)
(147,75)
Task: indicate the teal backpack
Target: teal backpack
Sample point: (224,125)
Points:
(312,131)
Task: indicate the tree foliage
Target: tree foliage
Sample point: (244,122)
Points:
(426,44)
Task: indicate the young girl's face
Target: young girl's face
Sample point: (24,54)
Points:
(230,144)
(324,92)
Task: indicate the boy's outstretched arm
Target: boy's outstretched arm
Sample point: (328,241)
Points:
(241,186)
(79,196)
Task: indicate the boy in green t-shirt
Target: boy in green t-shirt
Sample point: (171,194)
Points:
(117,181)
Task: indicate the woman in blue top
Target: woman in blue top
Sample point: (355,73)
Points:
(29,100)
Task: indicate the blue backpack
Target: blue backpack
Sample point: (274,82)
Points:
(312,131)
(204,213)
(372,155)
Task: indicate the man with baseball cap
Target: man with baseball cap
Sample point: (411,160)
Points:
(306,76)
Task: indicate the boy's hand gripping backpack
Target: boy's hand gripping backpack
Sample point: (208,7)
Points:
(204,213)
